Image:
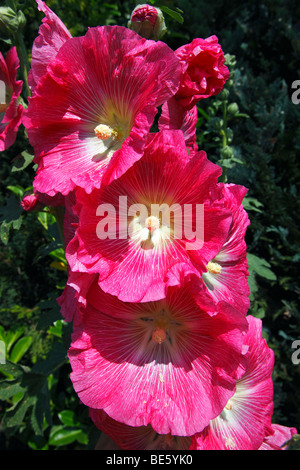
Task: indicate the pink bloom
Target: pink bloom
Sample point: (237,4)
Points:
(227,272)
(174,116)
(205,72)
(279,438)
(172,364)
(52,35)
(137,438)
(134,258)
(246,418)
(92,110)
(10,90)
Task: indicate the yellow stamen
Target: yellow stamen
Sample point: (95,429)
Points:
(214,268)
(228,406)
(104,132)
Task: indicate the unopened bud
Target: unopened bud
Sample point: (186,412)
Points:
(233,109)
(227,152)
(148,22)
(10,21)
(31,203)
(224,94)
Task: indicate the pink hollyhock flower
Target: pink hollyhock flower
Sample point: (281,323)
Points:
(174,116)
(92,110)
(10,90)
(246,418)
(279,438)
(155,362)
(227,272)
(135,255)
(137,438)
(52,35)
(205,72)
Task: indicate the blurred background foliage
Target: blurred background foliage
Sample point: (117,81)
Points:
(251,128)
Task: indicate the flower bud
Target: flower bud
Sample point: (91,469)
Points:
(227,152)
(10,21)
(31,203)
(148,22)
(224,94)
(233,109)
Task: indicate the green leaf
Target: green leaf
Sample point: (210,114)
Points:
(59,254)
(22,161)
(20,348)
(14,416)
(252,204)
(9,388)
(10,217)
(46,219)
(41,409)
(9,369)
(174,14)
(63,435)
(16,189)
(68,418)
(56,357)
(49,311)
(45,250)
(261,267)
(12,336)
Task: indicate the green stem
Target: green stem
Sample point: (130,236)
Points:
(58,213)
(24,62)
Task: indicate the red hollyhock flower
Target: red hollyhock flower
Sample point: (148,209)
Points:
(137,438)
(227,273)
(135,255)
(155,362)
(205,72)
(90,113)
(10,90)
(246,418)
(52,35)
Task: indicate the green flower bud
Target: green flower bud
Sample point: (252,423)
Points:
(233,109)
(227,152)
(21,19)
(223,95)
(10,21)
